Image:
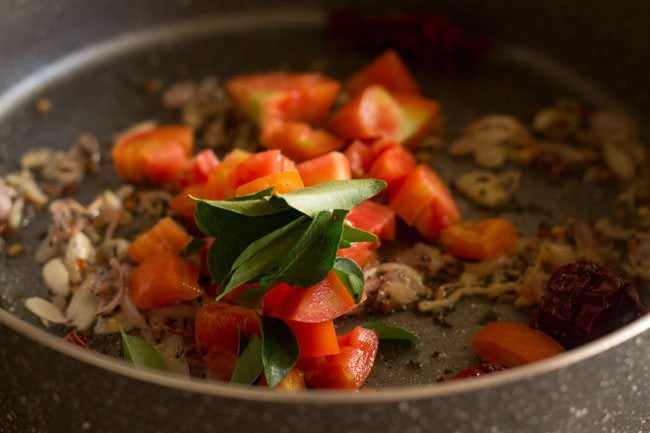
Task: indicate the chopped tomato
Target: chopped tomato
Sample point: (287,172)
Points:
(326,168)
(374,218)
(392,166)
(282,182)
(387,70)
(348,369)
(298,140)
(421,189)
(202,165)
(164,279)
(156,155)
(323,301)
(315,339)
(166,236)
(513,344)
(361,253)
(216,330)
(221,181)
(421,116)
(302,97)
(183,205)
(360,156)
(262,164)
(479,240)
(375,113)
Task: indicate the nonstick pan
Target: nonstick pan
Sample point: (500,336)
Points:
(92,62)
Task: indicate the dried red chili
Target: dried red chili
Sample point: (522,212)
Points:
(584,301)
(479,370)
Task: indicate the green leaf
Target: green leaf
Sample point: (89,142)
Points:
(351,275)
(391,332)
(279,349)
(140,353)
(313,256)
(351,234)
(255,207)
(254,196)
(210,220)
(194,245)
(265,260)
(238,234)
(265,241)
(340,194)
(249,364)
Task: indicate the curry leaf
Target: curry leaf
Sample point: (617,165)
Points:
(248,207)
(279,349)
(340,194)
(265,260)
(351,234)
(266,241)
(249,364)
(210,220)
(351,275)
(313,256)
(254,196)
(140,353)
(391,332)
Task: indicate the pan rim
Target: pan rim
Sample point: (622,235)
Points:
(56,70)
(383,395)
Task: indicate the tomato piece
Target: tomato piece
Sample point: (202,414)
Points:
(420,117)
(157,155)
(315,339)
(221,181)
(423,188)
(362,253)
(360,157)
(183,205)
(304,97)
(162,280)
(348,369)
(387,70)
(166,236)
(326,168)
(202,165)
(479,240)
(298,140)
(375,113)
(323,301)
(513,344)
(392,166)
(374,218)
(282,182)
(216,331)
(262,164)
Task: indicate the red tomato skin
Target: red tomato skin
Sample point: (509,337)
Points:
(348,369)
(302,97)
(216,331)
(360,156)
(163,280)
(329,167)
(315,339)
(387,70)
(375,218)
(261,164)
(323,301)
(362,253)
(165,163)
(298,140)
(221,181)
(392,166)
(183,205)
(423,188)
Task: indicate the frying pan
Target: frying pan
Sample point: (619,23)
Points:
(91,59)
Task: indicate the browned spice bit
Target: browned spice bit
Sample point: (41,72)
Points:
(414,364)
(15,250)
(43,105)
(440,320)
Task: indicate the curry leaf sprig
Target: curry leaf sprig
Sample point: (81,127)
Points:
(293,237)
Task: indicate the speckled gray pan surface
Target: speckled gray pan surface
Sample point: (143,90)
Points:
(601,388)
